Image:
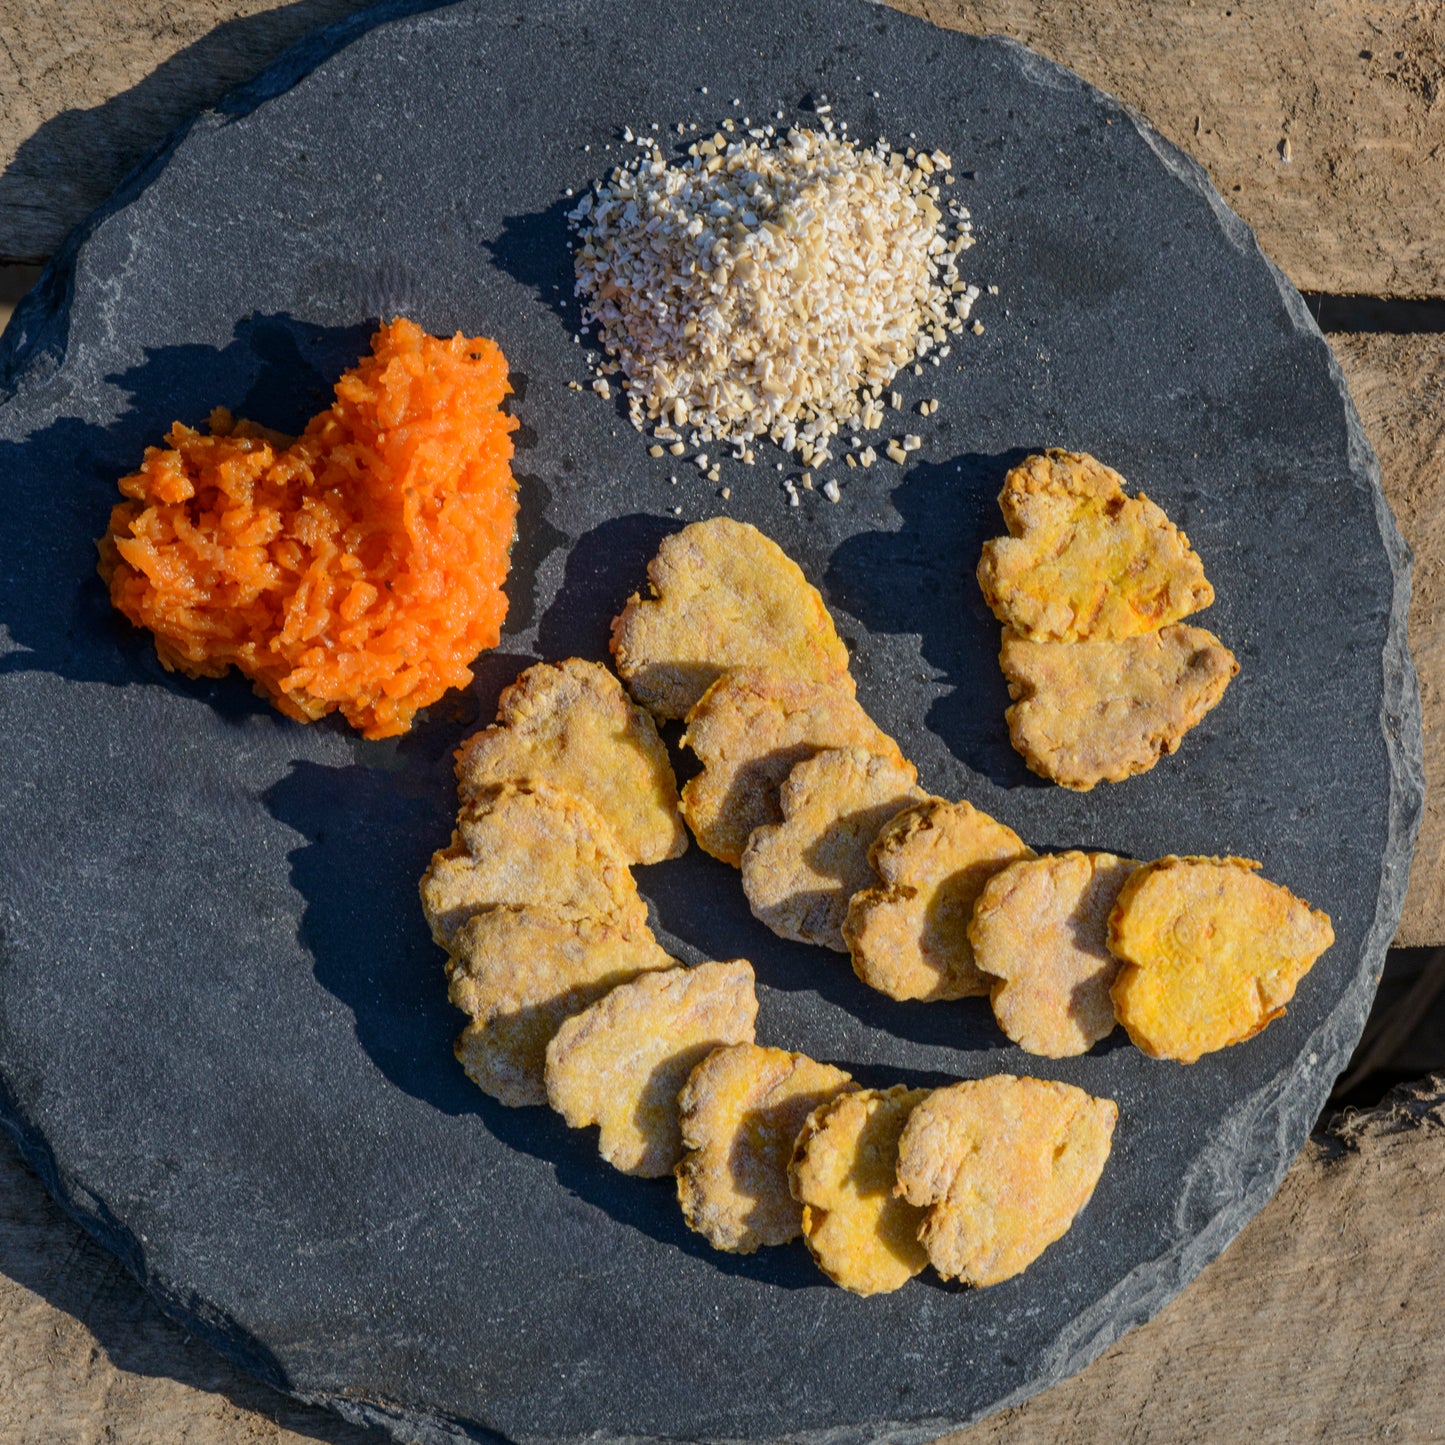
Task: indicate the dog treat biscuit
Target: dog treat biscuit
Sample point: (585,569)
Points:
(1092,712)
(845,1165)
(909,939)
(1083,560)
(1002,1166)
(518,973)
(1212,953)
(1041,930)
(724,595)
(622,1062)
(528,844)
(571,725)
(749,730)
(740,1112)
(799,874)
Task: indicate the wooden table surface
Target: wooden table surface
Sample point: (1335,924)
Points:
(1323,125)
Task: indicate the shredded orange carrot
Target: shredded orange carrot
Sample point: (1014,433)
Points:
(359,567)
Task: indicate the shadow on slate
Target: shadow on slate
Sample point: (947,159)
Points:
(647,1205)
(700,901)
(604,568)
(218,68)
(536,249)
(536,538)
(920,579)
(361,916)
(362,926)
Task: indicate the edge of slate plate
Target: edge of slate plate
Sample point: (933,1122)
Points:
(1218,1202)
(1142,1294)
(37,334)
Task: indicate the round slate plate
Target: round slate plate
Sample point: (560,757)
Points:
(224,1039)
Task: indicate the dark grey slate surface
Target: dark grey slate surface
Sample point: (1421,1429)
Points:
(223,1034)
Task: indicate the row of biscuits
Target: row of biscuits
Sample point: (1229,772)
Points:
(573,1003)
(534,899)
(976,1178)
(838,846)
(1091,587)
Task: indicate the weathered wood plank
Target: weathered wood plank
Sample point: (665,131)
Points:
(1353,87)
(1398,383)
(86,89)
(1319,1324)
(87,1359)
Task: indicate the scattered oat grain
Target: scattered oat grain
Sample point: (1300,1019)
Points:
(699,274)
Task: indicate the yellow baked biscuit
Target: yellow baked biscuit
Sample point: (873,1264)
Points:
(622,1062)
(1002,1165)
(799,874)
(749,730)
(1041,928)
(1082,560)
(1091,712)
(723,595)
(452,889)
(740,1112)
(910,938)
(519,972)
(862,1235)
(1212,953)
(527,843)
(571,725)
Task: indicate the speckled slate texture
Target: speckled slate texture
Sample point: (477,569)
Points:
(224,1038)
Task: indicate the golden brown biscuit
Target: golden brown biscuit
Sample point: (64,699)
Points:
(740,1113)
(1002,1165)
(862,1235)
(1041,928)
(750,729)
(1090,712)
(724,595)
(519,972)
(622,1062)
(527,843)
(571,725)
(799,874)
(910,939)
(1084,561)
(1212,953)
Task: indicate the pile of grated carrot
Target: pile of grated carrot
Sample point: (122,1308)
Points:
(359,567)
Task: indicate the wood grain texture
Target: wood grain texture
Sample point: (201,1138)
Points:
(1319,1324)
(1398,383)
(87,1359)
(89,87)
(1357,89)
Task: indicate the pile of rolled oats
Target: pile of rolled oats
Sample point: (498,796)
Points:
(770,285)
